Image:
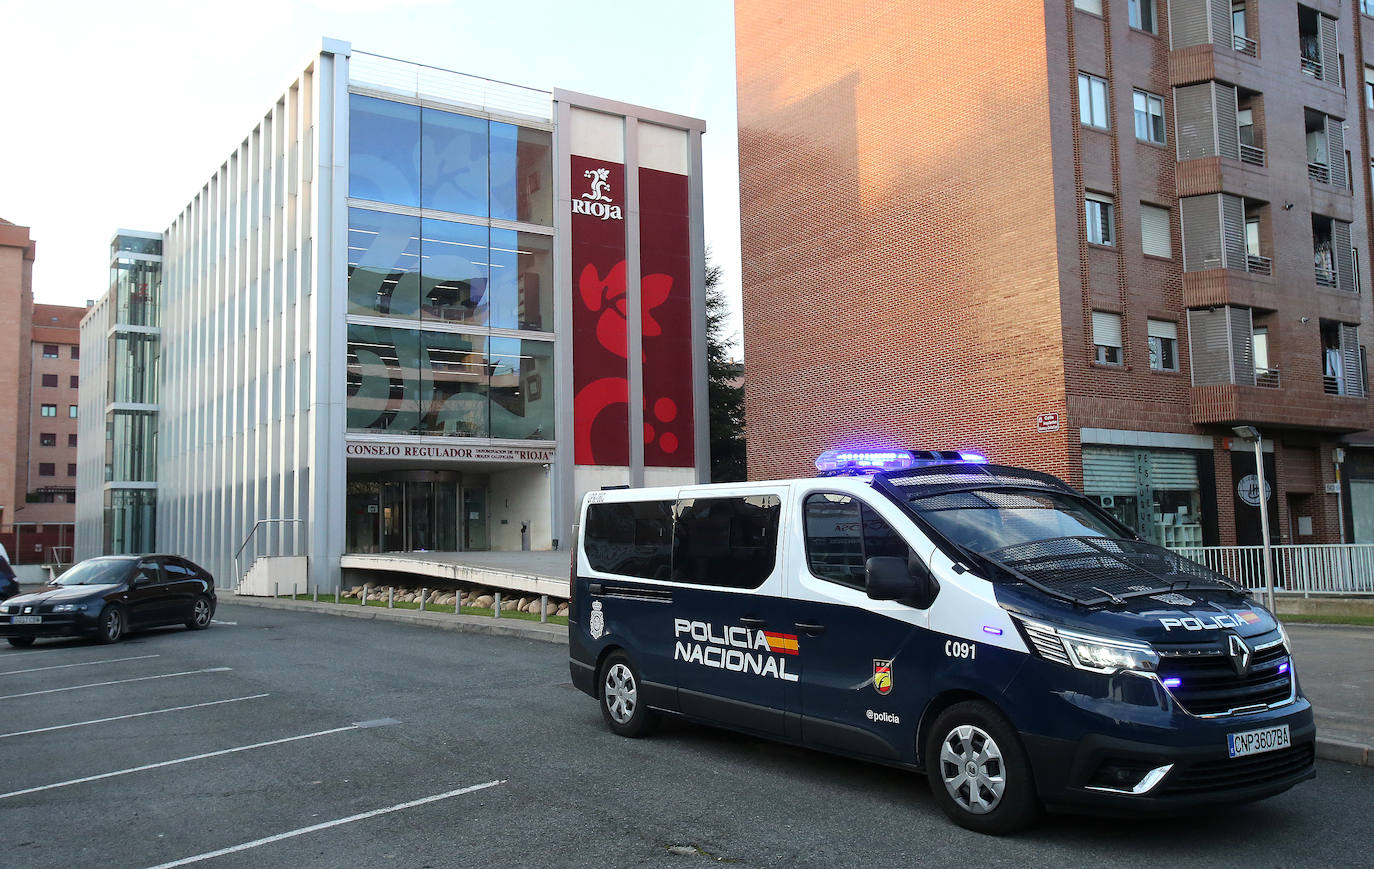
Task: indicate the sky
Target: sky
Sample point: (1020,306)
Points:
(116,113)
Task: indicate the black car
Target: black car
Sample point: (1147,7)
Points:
(108,596)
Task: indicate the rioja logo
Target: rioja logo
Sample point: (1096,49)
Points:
(598,202)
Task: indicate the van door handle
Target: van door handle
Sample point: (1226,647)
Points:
(596,588)
(752,623)
(810,629)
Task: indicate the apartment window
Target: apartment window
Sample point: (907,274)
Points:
(48,410)
(50,380)
(47,439)
(1142,13)
(71,411)
(1163,345)
(1101,220)
(76,352)
(1259,350)
(1369,87)
(1092,101)
(1149,117)
(47,469)
(1093,6)
(1107,337)
(71,469)
(71,440)
(1154,231)
(1367,7)
(76,382)
(49,351)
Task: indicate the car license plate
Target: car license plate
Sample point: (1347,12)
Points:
(27,620)
(1258,741)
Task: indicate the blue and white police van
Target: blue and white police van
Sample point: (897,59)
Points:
(986,624)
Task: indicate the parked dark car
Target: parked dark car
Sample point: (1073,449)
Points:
(108,596)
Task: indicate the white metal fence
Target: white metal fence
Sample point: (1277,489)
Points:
(1325,569)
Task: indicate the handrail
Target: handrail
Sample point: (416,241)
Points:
(238,574)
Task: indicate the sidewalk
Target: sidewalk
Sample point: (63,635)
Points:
(1335,664)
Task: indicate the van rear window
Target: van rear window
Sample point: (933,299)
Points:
(631,538)
(731,542)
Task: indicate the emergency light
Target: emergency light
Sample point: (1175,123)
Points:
(832,462)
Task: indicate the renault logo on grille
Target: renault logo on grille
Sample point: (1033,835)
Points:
(1240,655)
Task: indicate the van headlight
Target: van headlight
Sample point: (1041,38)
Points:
(1088,652)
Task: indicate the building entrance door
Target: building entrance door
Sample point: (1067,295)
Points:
(405,512)
(475,516)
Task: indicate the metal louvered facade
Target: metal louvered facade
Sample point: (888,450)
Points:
(1220,346)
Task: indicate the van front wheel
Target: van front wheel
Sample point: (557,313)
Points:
(622,703)
(978,771)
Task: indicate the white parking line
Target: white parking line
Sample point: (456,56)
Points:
(210,855)
(148,766)
(115,682)
(132,715)
(218,622)
(82,664)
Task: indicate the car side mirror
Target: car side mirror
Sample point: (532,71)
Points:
(906,580)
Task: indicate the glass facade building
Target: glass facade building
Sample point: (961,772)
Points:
(364,325)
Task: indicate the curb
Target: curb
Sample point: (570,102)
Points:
(1338,750)
(548,633)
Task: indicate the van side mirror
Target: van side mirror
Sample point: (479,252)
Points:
(906,580)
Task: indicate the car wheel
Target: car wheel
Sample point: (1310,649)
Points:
(21,642)
(111,625)
(622,705)
(979,774)
(201,613)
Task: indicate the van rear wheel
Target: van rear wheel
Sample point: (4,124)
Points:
(979,773)
(622,701)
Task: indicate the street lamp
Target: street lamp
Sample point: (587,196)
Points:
(1251,434)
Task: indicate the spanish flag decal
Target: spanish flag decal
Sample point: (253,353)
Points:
(783,644)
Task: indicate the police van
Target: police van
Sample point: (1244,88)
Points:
(985,624)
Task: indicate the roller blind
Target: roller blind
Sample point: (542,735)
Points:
(1163,329)
(1154,231)
(1106,329)
(1173,471)
(1109,472)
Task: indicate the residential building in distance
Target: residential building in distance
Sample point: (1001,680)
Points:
(38,424)
(1089,237)
(412,310)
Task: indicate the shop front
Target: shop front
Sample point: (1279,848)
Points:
(1167,496)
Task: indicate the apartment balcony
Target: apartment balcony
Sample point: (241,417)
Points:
(1245,46)
(1251,155)
(1267,378)
(1232,404)
(1319,172)
(1204,42)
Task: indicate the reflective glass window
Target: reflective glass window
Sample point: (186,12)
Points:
(522,389)
(383,379)
(137,287)
(454,270)
(730,542)
(383,264)
(383,151)
(453,385)
(130,446)
(521,280)
(134,363)
(521,172)
(454,159)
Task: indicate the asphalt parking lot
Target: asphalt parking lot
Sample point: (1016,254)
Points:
(296,739)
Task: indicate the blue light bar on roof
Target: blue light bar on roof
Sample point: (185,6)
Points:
(864,460)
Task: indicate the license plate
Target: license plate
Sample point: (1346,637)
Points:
(27,620)
(1258,741)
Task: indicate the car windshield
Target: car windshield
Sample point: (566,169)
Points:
(97,571)
(988,520)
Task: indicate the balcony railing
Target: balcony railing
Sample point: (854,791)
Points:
(1267,377)
(1259,265)
(1325,277)
(1312,67)
(1332,385)
(1319,172)
(1252,155)
(1245,46)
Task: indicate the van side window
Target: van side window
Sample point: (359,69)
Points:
(842,534)
(731,542)
(632,538)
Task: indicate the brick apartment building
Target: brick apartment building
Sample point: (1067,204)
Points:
(38,418)
(1086,236)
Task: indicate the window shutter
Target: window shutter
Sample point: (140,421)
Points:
(1233,231)
(1228,134)
(1242,359)
(1108,471)
(1173,471)
(1188,24)
(1345,262)
(1201,219)
(1335,151)
(1106,329)
(1221,21)
(1154,231)
(1193,122)
(1350,359)
(1331,52)
(1162,329)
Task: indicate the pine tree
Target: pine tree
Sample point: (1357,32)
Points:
(725,398)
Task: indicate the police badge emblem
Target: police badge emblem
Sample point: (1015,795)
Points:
(882,676)
(596,625)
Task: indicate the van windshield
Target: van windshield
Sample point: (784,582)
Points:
(988,520)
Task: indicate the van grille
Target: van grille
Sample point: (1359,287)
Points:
(1210,685)
(1240,772)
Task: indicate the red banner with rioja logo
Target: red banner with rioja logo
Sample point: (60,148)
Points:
(665,291)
